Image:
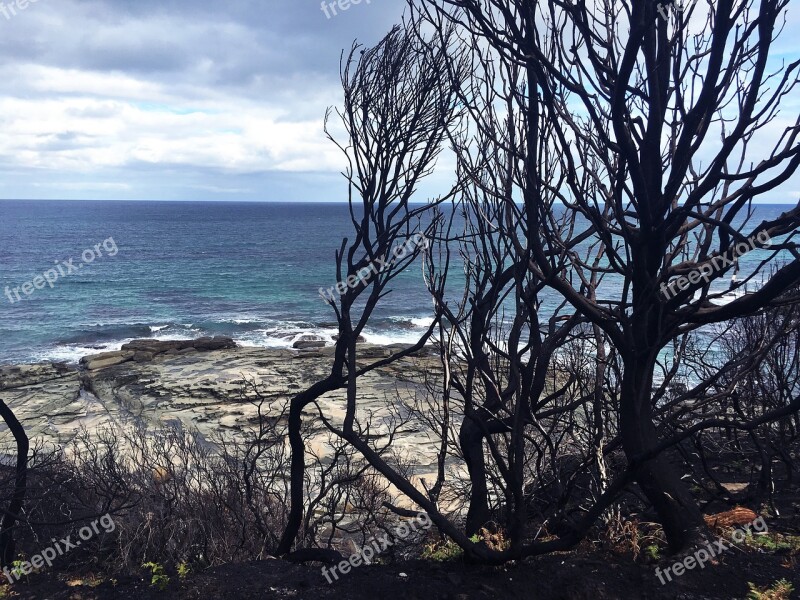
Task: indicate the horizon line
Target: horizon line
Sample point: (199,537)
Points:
(217,201)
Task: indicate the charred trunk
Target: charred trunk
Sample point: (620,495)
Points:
(677,510)
(471,441)
(12,512)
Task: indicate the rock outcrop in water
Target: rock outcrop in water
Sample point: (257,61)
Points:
(146,350)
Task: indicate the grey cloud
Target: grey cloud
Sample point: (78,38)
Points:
(261,72)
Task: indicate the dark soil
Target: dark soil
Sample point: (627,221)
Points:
(568,576)
(587,573)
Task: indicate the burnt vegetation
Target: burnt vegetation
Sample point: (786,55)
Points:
(599,151)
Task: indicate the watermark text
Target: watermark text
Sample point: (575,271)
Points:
(62,269)
(59,548)
(702,555)
(375,546)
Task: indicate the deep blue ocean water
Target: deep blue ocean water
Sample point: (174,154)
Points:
(182,270)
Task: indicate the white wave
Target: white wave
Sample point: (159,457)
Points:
(240,319)
(422,322)
(73,353)
(391,337)
(284,337)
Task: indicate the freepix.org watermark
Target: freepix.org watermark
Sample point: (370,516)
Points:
(701,556)
(375,546)
(12,9)
(62,269)
(761,240)
(59,548)
(379,266)
(329,8)
(678,6)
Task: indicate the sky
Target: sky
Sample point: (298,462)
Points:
(182,99)
(175,99)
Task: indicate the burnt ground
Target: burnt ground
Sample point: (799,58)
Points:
(577,575)
(590,572)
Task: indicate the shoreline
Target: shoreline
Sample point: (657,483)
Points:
(203,385)
(245,332)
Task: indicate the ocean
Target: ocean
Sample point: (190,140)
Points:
(251,271)
(176,270)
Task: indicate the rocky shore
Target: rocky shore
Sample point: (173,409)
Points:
(207,385)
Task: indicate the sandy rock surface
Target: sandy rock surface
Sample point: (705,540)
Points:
(208,385)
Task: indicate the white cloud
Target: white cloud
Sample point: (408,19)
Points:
(153,99)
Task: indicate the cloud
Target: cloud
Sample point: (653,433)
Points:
(185,97)
(181,99)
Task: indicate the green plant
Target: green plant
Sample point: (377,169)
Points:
(183,570)
(775,542)
(17,570)
(653,552)
(159,578)
(780,590)
(442,551)
(446,550)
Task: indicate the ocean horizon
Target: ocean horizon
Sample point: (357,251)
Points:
(180,270)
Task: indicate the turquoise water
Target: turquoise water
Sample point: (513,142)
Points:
(183,269)
(251,271)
